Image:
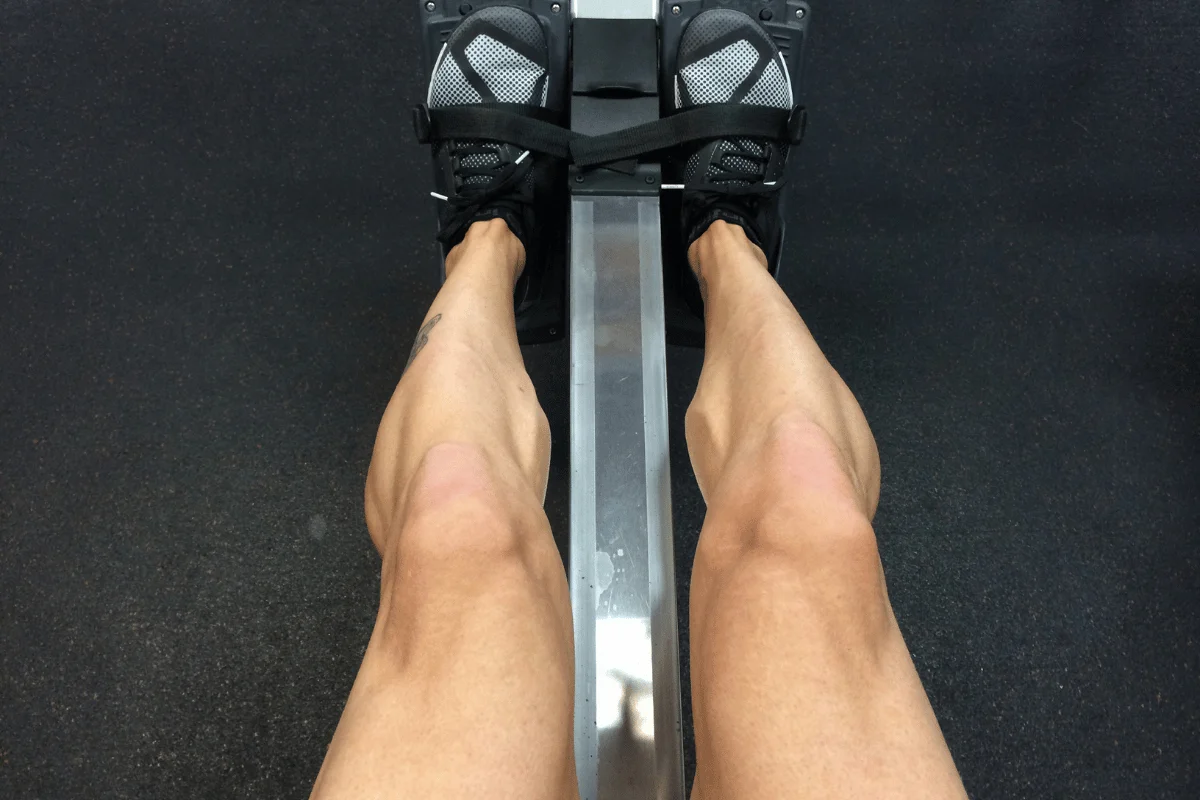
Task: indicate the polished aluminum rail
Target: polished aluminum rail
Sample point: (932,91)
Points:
(628,742)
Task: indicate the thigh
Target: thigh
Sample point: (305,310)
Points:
(802,684)
(466,688)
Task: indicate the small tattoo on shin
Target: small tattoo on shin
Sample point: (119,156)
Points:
(422,340)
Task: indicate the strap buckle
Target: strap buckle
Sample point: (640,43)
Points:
(797,124)
(422,124)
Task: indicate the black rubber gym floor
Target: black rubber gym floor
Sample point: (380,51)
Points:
(215,246)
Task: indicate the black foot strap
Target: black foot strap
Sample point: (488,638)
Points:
(522,126)
(531,129)
(703,123)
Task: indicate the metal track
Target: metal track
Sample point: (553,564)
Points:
(628,740)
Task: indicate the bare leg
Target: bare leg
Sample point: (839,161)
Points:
(466,689)
(802,684)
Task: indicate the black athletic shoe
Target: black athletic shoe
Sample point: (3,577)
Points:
(726,57)
(497,57)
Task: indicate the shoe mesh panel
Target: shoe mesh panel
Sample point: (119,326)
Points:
(510,75)
(505,71)
(714,78)
(771,89)
(450,87)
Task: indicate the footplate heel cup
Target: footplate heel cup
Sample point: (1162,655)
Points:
(797,124)
(422,124)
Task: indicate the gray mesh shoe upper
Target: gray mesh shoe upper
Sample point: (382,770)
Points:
(725,57)
(498,55)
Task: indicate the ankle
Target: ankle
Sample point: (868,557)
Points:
(723,243)
(487,242)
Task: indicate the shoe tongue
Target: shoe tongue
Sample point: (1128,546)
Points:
(486,156)
(723,153)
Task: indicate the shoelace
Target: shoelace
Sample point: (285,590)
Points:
(734,181)
(505,187)
(728,171)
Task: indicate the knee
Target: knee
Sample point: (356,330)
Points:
(465,526)
(831,555)
(411,444)
(457,508)
(795,520)
(795,465)
(468,543)
(823,574)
